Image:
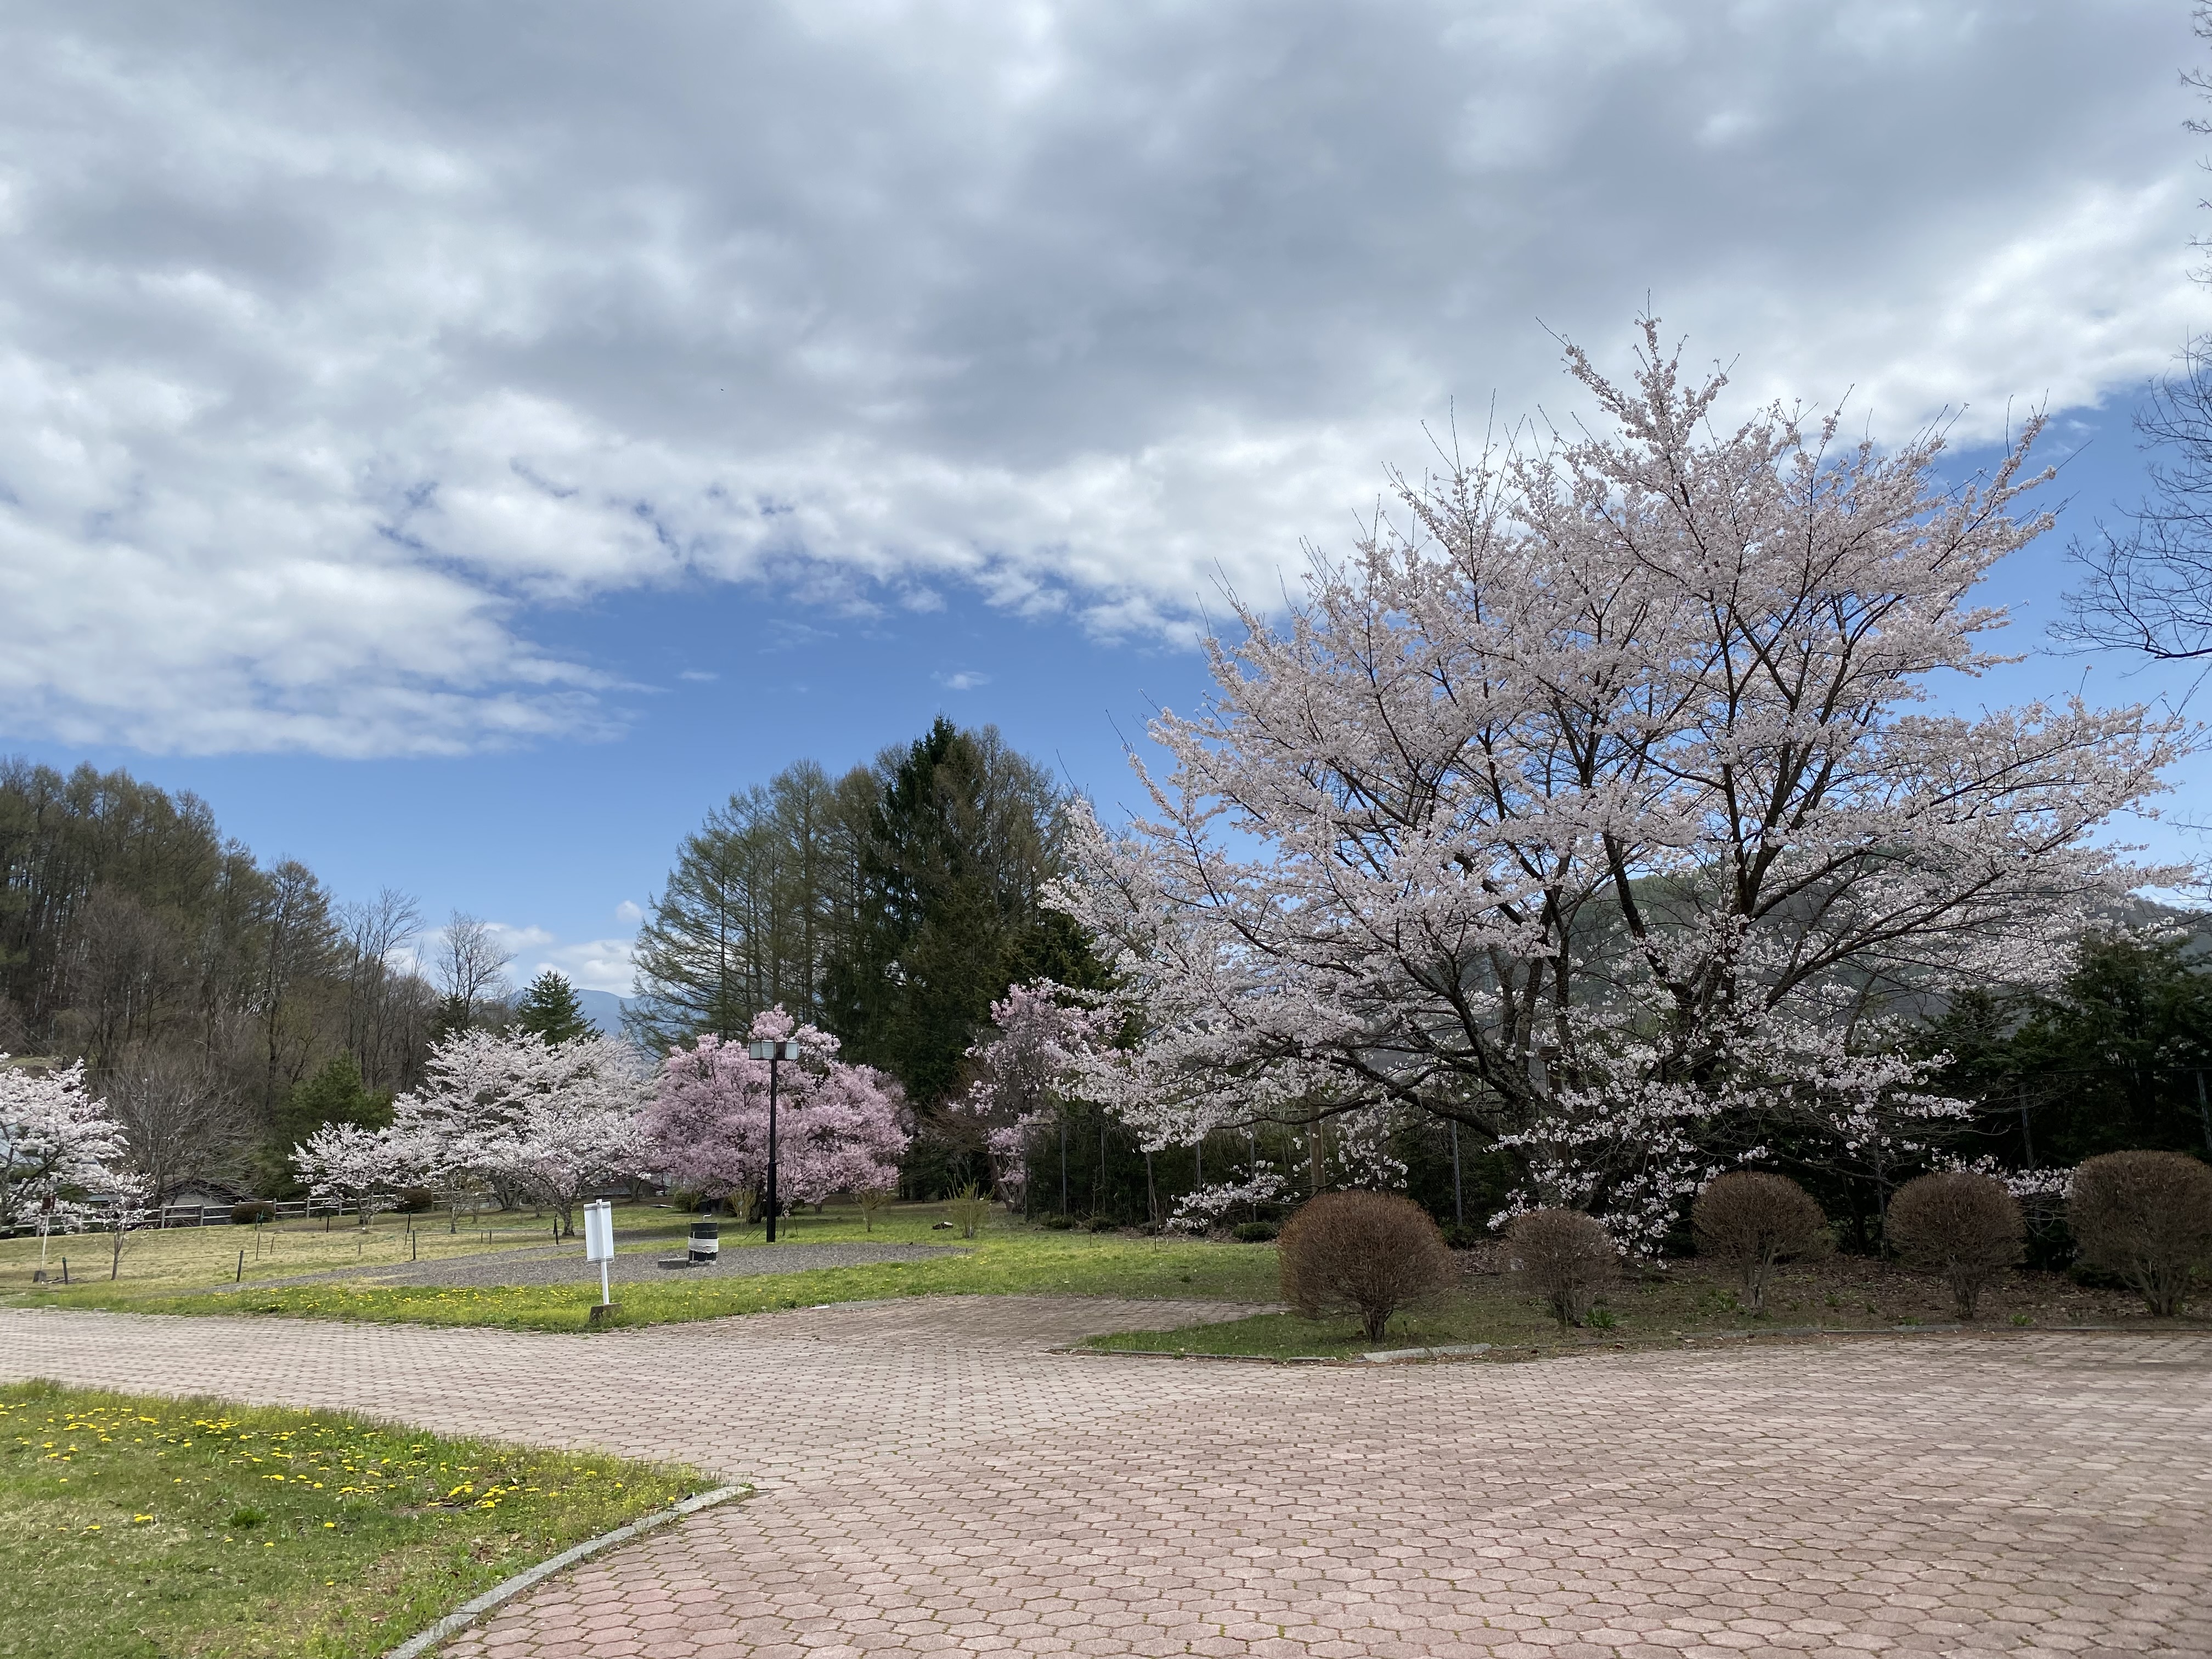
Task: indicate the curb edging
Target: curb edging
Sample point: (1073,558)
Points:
(469,1611)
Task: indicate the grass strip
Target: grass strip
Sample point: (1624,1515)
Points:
(1014,1263)
(139,1528)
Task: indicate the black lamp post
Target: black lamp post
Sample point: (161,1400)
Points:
(774,1051)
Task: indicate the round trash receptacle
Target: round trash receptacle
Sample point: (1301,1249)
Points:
(706,1242)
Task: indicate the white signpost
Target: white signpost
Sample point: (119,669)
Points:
(599,1247)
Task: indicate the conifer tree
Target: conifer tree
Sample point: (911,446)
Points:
(548,1008)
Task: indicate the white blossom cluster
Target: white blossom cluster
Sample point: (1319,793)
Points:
(57,1141)
(1596,805)
(506,1113)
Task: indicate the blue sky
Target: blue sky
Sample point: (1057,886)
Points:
(556,837)
(465,455)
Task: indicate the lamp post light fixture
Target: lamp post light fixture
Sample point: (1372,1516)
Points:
(774,1051)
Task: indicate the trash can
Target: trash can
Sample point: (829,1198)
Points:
(706,1244)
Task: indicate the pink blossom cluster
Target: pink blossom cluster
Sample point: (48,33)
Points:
(839,1127)
(1025,1070)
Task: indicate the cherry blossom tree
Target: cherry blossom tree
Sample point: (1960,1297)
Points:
(348,1163)
(129,1194)
(549,1120)
(1022,1073)
(56,1140)
(1207,1207)
(839,1127)
(1597,801)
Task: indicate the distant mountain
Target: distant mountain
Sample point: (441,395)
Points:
(603,1009)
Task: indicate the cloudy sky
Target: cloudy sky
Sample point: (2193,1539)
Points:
(465,441)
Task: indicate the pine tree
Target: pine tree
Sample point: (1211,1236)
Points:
(334,1094)
(548,1008)
(957,851)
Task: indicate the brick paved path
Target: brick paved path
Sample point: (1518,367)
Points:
(933,1483)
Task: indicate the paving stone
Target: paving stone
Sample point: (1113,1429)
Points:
(932,1482)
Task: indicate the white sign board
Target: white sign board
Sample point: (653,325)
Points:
(598,1231)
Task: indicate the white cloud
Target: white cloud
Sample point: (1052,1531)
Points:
(629,912)
(599,964)
(966,680)
(338,342)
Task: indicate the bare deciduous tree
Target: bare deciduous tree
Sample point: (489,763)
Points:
(471,966)
(2148,586)
(181,1123)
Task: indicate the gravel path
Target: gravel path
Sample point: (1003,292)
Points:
(566,1266)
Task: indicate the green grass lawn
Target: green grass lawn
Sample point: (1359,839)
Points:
(192,1258)
(150,1529)
(191,1270)
(1008,1257)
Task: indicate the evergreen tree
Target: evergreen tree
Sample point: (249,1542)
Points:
(2112,1060)
(451,1017)
(548,1008)
(957,852)
(334,1094)
(891,907)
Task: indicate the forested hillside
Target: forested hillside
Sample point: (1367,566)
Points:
(202,988)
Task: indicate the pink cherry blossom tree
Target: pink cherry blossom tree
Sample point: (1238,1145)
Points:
(1024,1071)
(839,1127)
(1597,803)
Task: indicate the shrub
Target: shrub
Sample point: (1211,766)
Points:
(413,1200)
(1256,1233)
(1058,1223)
(1371,1253)
(2145,1217)
(967,1210)
(1102,1224)
(1960,1226)
(1749,1221)
(873,1200)
(1564,1258)
(1465,1235)
(250,1211)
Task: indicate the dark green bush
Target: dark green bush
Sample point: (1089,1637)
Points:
(1256,1233)
(1465,1235)
(252,1210)
(1057,1223)
(1103,1224)
(413,1200)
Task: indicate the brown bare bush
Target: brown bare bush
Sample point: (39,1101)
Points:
(1564,1258)
(1748,1221)
(2145,1217)
(1963,1228)
(1371,1253)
